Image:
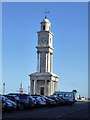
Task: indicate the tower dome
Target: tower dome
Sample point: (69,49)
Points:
(46,20)
(45,25)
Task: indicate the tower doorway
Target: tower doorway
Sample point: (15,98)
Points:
(42,90)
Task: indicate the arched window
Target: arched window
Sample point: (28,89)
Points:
(43,27)
(49,28)
(50,40)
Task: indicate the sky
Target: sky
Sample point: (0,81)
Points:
(69,23)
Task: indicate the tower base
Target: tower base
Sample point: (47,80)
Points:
(42,83)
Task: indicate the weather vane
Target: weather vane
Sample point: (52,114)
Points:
(46,13)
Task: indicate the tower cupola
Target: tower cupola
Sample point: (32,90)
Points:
(45,25)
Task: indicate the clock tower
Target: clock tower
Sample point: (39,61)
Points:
(42,81)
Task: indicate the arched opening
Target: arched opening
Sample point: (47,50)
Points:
(43,27)
(49,28)
(50,40)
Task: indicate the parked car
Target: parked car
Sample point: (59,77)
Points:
(40,101)
(69,96)
(62,101)
(10,101)
(49,101)
(8,105)
(33,99)
(16,100)
(25,99)
(43,99)
(56,99)
(3,106)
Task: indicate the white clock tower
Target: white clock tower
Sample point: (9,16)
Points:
(41,82)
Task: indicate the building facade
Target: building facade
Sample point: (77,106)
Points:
(42,81)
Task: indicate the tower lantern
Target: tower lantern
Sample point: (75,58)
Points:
(45,25)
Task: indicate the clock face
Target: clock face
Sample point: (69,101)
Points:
(43,40)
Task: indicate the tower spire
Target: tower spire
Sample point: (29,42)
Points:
(46,13)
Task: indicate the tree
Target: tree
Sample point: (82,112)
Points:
(74,91)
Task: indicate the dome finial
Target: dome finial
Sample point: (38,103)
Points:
(45,17)
(46,13)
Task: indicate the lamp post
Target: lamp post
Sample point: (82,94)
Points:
(3,88)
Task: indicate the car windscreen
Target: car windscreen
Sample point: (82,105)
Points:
(16,98)
(39,99)
(45,97)
(60,95)
(30,97)
(68,95)
(22,96)
(4,98)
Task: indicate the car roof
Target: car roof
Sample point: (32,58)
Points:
(12,95)
(34,95)
(62,92)
(18,94)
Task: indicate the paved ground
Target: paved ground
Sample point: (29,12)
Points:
(78,110)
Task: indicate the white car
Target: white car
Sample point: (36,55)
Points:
(65,95)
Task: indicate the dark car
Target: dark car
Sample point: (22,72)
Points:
(3,106)
(39,100)
(56,99)
(49,101)
(62,101)
(34,102)
(16,100)
(25,100)
(8,105)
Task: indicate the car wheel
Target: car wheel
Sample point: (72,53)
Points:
(48,104)
(39,105)
(69,103)
(21,107)
(61,103)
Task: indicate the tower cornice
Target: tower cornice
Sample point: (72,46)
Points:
(44,46)
(45,31)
